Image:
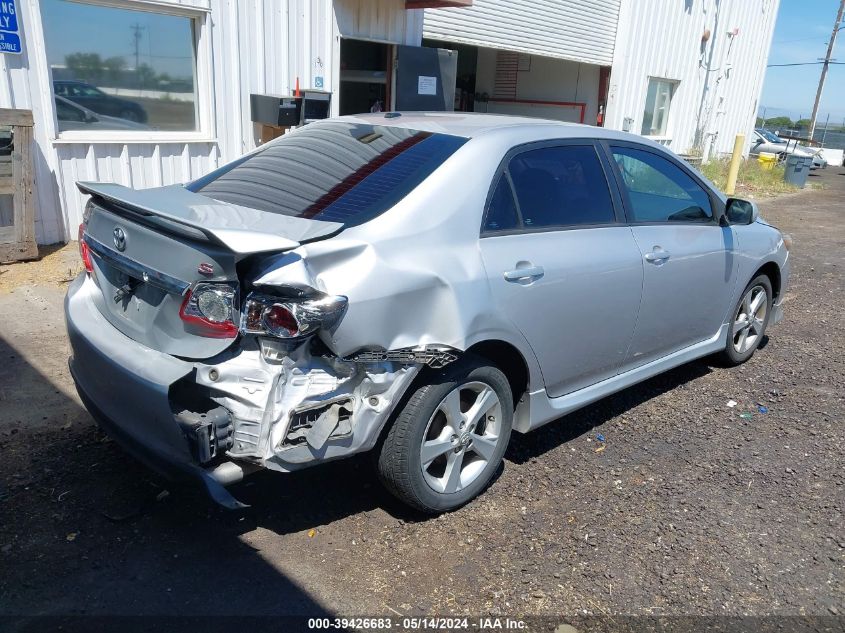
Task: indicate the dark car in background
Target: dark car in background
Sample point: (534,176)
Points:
(98,101)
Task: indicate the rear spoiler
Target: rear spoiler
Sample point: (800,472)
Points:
(241,229)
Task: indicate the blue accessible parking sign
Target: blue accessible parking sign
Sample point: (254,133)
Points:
(10,40)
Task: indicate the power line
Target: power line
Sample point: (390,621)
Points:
(800,39)
(805,64)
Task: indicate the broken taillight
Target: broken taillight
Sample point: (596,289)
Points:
(84,250)
(209,310)
(280,321)
(290,318)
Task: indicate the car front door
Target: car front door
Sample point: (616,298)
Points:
(689,259)
(560,264)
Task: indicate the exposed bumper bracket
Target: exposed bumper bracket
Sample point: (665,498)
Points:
(435,356)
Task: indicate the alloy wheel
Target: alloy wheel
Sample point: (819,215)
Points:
(461,437)
(750,319)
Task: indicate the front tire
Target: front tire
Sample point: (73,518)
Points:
(750,318)
(130,115)
(447,442)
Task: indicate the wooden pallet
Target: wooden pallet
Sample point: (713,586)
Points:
(17,208)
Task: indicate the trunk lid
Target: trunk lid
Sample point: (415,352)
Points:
(151,246)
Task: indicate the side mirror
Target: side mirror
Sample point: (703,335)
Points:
(90,118)
(739,211)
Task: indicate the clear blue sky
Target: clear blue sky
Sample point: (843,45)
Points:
(801,34)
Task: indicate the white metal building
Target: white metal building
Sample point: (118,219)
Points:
(686,71)
(690,73)
(239,47)
(544,58)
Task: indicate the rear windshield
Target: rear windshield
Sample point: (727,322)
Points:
(334,171)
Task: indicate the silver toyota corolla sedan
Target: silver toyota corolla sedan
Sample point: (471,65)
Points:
(417,285)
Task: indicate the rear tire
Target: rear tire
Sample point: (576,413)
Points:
(447,442)
(748,322)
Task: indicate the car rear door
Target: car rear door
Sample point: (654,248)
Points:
(689,259)
(560,264)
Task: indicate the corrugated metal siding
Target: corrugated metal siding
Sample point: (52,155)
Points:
(379,20)
(577,30)
(256,46)
(137,165)
(717,95)
(20,87)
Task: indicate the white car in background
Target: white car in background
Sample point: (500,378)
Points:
(72,116)
(767,141)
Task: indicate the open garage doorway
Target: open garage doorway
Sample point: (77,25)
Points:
(365,80)
(509,82)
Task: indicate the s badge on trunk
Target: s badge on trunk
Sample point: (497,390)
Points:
(205,269)
(119,238)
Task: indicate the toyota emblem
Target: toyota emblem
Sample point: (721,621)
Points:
(119,238)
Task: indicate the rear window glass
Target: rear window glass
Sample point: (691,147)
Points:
(335,171)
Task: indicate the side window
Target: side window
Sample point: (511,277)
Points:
(561,186)
(660,191)
(501,214)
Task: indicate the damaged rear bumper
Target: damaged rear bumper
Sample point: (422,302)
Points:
(125,386)
(291,408)
(255,405)
(213,480)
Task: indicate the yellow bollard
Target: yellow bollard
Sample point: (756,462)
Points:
(733,170)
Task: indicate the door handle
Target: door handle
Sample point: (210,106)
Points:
(657,256)
(518,274)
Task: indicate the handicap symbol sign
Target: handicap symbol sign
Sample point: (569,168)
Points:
(10,40)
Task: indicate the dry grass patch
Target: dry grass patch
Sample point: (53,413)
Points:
(752,180)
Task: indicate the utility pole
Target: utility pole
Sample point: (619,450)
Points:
(836,29)
(136,36)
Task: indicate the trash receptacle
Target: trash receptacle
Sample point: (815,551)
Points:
(767,160)
(797,170)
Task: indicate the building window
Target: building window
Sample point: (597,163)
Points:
(657,103)
(118,69)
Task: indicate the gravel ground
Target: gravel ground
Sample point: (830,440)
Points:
(688,508)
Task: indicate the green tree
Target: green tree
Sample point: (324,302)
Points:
(114,67)
(146,76)
(85,66)
(779,122)
(802,123)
